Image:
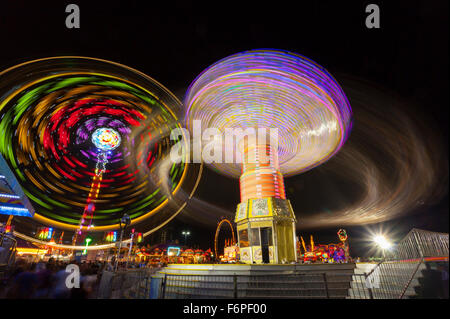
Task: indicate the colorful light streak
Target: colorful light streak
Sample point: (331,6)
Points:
(88,213)
(139,238)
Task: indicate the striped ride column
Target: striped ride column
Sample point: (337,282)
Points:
(260,177)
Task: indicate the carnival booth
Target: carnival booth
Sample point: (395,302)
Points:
(230,254)
(173,255)
(155,256)
(199,257)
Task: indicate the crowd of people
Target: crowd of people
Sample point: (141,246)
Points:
(48,280)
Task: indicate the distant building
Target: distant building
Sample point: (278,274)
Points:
(12,198)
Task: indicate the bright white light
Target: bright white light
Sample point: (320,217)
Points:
(381,241)
(106,139)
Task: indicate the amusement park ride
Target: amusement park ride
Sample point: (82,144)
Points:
(87,140)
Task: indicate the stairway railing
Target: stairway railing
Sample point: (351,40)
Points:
(395,274)
(11,248)
(410,279)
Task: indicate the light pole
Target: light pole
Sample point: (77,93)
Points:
(123,223)
(185,234)
(131,245)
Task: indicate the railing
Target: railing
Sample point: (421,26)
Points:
(421,244)
(393,278)
(308,286)
(144,284)
(7,255)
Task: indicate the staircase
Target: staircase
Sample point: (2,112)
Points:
(358,288)
(429,284)
(394,280)
(256,281)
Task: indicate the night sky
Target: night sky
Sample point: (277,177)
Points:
(393,75)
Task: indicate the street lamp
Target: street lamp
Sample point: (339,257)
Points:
(185,233)
(383,243)
(123,223)
(88,240)
(129,250)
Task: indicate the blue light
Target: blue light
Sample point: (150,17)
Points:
(12,196)
(171,249)
(14,209)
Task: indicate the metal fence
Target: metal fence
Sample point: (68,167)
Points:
(144,284)
(421,244)
(307,286)
(398,274)
(126,284)
(8,245)
(7,253)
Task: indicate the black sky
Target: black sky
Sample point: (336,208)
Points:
(174,42)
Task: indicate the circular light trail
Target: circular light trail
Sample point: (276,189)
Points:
(106,139)
(273,89)
(58,114)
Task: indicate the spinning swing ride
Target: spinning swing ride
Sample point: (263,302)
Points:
(269,89)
